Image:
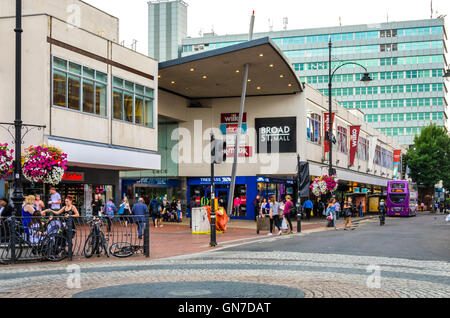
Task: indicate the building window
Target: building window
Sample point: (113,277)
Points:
(342,139)
(313,129)
(363,149)
(79,88)
(132,102)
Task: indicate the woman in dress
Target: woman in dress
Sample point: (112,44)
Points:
(124,210)
(331,211)
(28,210)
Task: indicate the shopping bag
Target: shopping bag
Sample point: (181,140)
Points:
(284,224)
(447,218)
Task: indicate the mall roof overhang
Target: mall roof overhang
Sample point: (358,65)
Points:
(219,73)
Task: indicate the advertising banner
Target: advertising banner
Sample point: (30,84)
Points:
(397,156)
(326,128)
(280,133)
(354,139)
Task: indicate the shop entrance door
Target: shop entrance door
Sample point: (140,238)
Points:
(222,196)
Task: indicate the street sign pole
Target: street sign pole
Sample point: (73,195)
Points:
(299,207)
(213,242)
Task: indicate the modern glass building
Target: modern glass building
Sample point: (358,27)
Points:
(406,61)
(167,26)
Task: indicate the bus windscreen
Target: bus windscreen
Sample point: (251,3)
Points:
(397,198)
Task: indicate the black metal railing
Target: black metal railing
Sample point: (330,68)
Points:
(54,238)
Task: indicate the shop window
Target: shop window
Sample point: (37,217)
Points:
(133,103)
(342,139)
(79,88)
(313,129)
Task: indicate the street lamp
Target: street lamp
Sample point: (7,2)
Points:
(366,78)
(447,73)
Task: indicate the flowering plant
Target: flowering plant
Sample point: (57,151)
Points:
(324,184)
(44,164)
(6,160)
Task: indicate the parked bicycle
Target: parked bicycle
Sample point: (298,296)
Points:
(51,246)
(96,241)
(124,249)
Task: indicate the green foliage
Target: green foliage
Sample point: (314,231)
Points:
(429,158)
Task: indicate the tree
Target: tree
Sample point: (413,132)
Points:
(429,158)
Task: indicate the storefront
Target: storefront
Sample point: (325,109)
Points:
(268,187)
(147,188)
(80,183)
(199,191)
(246,189)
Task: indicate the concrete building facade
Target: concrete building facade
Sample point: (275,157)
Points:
(406,61)
(97,99)
(200,93)
(167,26)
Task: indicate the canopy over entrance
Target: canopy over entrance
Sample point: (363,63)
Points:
(219,73)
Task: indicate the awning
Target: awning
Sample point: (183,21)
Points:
(91,155)
(219,73)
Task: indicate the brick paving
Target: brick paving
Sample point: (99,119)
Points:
(308,275)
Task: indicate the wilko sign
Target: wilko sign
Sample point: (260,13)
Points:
(229,123)
(245,151)
(232,118)
(354,138)
(327,128)
(73,176)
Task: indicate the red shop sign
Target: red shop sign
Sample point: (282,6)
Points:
(73,176)
(243,151)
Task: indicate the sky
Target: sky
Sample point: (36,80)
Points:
(233,16)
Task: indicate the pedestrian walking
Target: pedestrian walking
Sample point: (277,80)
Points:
(348,208)
(140,210)
(153,209)
(124,211)
(257,205)
(322,208)
(179,213)
(287,211)
(308,207)
(382,212)
(337,207)
(274,216)
(360,209)
(331,213)
(109,210)
(236,206)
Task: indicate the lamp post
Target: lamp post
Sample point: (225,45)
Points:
(366,78)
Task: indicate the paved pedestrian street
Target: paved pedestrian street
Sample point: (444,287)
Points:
(280,267)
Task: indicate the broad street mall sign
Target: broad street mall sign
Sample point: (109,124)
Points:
(276,133)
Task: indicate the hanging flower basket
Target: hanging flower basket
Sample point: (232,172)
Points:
(324,184)
(45,164)
(6,161)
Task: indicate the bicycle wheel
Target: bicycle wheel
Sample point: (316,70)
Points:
(104,243)
(54,247)
(121,250)
(91,245)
